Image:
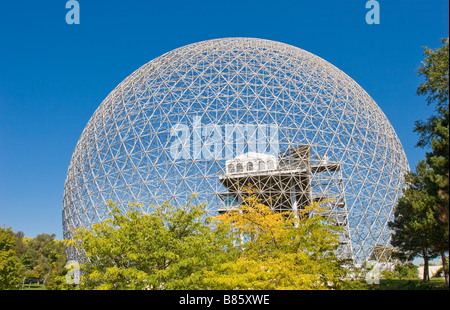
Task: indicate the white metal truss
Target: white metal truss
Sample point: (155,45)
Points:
(288,184)
(125,151)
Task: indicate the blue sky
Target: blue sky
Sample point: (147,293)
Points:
(54,75)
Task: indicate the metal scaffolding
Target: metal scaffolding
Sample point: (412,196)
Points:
(292,183)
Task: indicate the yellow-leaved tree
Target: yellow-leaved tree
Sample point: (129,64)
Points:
(278,250)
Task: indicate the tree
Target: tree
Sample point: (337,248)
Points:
(406,271)
(40,256)
(10,266)
(416,228)
(167,249)
(57,261)
(277,251)
(435,70)
(434,132)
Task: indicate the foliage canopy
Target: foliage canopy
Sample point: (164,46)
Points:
(182,248)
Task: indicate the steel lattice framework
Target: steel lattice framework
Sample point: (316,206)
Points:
(126,152)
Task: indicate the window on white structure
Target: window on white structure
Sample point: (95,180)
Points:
(262,166)
(230,168)
(250,166)
(239,167)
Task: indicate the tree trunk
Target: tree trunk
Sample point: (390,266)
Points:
(444,267)
(426,275)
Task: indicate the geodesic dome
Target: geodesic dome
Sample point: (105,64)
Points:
(169,128)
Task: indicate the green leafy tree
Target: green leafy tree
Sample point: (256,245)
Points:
(21,247)
(42,256)
(167,249)
(57,267)
(416,228)
(10,267)
(401,271)
(406,271)
(434,132)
